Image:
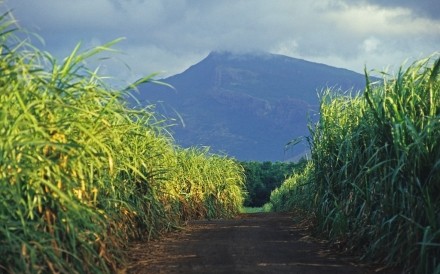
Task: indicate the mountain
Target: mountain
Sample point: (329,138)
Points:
(246,105)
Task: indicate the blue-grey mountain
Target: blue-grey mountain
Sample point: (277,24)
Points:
(248,106)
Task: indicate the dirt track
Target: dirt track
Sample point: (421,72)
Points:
(250,243)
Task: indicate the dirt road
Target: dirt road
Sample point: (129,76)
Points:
(250,243)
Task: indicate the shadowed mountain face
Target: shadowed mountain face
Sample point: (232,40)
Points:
(247,105)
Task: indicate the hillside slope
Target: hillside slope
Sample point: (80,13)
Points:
(246,105)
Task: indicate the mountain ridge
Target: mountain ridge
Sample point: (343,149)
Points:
(247,105)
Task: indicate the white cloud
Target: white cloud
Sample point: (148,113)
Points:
(289,48)
(370,45)
(170,35)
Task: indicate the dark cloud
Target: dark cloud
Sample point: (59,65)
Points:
(423,8)
(430,8)
(170,35)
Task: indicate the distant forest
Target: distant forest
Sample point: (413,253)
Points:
(263,177)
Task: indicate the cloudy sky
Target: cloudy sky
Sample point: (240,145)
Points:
(168,36)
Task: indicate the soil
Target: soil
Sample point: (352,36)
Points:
(249,243)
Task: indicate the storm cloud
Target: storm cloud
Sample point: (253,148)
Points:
(169,35)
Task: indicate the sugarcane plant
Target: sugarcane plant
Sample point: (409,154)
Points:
(83,172)
(374,182)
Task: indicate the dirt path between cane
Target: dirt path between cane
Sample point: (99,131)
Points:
(250,243)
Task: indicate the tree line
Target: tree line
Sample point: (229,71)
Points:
(261,178)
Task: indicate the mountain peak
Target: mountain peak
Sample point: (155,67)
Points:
(237,54)
(248,105)
(257,56)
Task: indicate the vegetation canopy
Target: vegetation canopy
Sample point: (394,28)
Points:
(373,181)
(81,173)
(263,177)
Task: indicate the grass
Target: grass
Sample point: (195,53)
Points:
(295,192)
(250,210)
(374,178)
(82,173)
